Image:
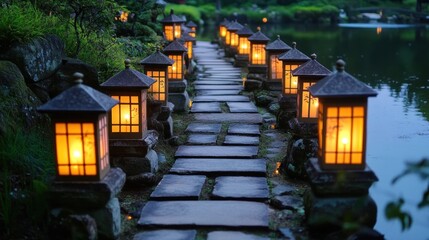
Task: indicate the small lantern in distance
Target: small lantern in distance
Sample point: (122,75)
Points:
(188,42)
(308,74)
(257,58)
(222,28)
(128,118)
(171,26)
(156,67)
(193,27)
(291,59)
(342,120)
(176,51)
(275,68)
(81,137)
(232,33)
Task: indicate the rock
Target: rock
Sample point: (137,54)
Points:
(283,118)
(65,224)
(180,101)
(143,179)
(128,148)
(274,108)
(300,151)
(136,165)
(286,202)
(161,158)
(177,86)
(108,220)
(287,233)
(164,114)
(251,85)
(83,227)
(37,59)
(282,190)
(263,100)
(168,128)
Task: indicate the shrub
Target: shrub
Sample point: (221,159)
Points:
(191,12)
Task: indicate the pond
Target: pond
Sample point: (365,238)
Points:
(393,59)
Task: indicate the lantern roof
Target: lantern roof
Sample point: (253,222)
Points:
(277,44)
(186,38)
(225,22)
(129,78)
(245,31)
(191,24)
(234,26)
(341,84)
(172,18)
(157,58)
(175,46)
(79,98)
(294,55)
(258,37)
(311,68)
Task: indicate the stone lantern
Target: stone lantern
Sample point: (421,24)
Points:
(84,191)
(242,57)
(257,61)
(339,176)
(177,93)
(193,28)
(172,26)
(156,66)
(188,42)
(232,38)
(222,29)
(274,65)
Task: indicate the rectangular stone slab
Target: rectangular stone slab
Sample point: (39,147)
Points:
(218,92)
(217,151)
(201,139)
(221,98)
(241,140)
(214,78)
(214,82)
(166,234)
(206,107)
(178,187)
(204,128)
(241,188)
(229,117)
(219,87)
(233,235)
(220,167)
(244,129)
(242,107)
(229,214)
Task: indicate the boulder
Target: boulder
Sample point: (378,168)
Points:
(252,85)
(300,151)
(177,86)
(136,165)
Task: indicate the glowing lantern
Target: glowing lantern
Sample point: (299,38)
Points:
(342,120)
(171,26)
(222,28)
(242,56)
(193,28)
(156,67)
(275,68)
(258,42)
(291,59)
(188,43)
(128,118)
(176,51)
(232,37)
(308,74)
(81,137)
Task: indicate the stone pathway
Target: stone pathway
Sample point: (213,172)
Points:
(217,183)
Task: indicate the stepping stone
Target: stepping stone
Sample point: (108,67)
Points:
(178,187)
(202,139)
(242,107)
(221,79)
(204,128)
(244,129)
(231,235)
(223,71)
(217,151)
(241,140)
(218,87)
(208,107)
(214,82)
(166,234)
(229,117)
(241,188)
(221,98)
(178,214)
(220,167)
(219,92)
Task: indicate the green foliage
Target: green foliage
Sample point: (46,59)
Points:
(208,11)
(21,23)
(394,209)
(314,13)
(191,12)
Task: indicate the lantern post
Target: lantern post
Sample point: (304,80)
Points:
(82,166)
(339,176)
(274,65)
(257,58)
(242,57)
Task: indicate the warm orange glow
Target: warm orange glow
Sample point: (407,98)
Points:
(168,32)
(175,72)
(290,82)
(308,104)
(258,54)
(158,89)
(234,39)
(343,142)
(243,47)
(228,38)
(123,17)
(75,149)
(264,20)
(222,31)
(190,104)
(189,46)
(177,31)
(276,68)
(379,30)
(192,34)
(125,117)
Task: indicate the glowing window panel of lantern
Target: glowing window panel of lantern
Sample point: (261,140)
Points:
(157,90)
(192,34)
(244,46)
(125,115)
(343,142)
(234,39)
(176,70)
(222,31)
(103,142)
(168,31)
(290,81)
(75,149)
(258,54)
(189,46)
(308,103)
(177,31)
(228,38)
(276,67)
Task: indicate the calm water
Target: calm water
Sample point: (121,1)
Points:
(394,60)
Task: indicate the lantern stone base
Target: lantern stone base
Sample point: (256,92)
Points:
(273,85)
(257,69)
(241,60)
(86,209)
(287,111)
(180,101)
(298,152)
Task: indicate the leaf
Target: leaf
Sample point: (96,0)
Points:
(425,199)
(393,211)
(420,169)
